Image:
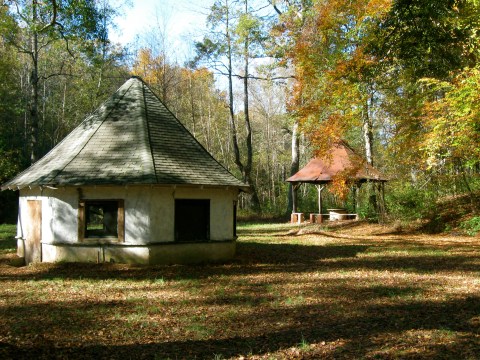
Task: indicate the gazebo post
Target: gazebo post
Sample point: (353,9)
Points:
(319,189)
(355,189)
(382,209)
(294,197)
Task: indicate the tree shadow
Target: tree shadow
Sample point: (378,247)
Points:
(360,316)
(293,254)
(278,257)
(273,258)
(360,334)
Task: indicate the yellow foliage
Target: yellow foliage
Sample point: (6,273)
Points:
(329,65)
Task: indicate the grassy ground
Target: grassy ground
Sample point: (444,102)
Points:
(360,291)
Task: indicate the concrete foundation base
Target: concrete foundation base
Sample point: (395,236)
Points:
(161,254)
(297,218)
(316,218)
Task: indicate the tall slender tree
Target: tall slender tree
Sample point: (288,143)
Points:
(234,31)
(47,22)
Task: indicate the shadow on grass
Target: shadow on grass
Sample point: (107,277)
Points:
(361,317)
(277,257)
(360,334)
(273,258)
(7,238)
(8,244)
(293,254)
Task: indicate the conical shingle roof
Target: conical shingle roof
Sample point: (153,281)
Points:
(131,139)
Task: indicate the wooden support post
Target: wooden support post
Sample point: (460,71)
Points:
(356,187)
(319,189)
(316,218)
(294,197)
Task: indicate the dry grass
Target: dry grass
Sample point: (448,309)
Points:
(359,291)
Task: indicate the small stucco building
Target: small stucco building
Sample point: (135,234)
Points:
(130,184)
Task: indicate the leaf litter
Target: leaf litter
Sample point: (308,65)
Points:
(362,291)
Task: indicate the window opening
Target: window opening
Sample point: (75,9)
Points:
(101,219)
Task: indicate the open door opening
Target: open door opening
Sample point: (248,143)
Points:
(192,220)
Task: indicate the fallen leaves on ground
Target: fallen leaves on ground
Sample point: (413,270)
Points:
(360,291)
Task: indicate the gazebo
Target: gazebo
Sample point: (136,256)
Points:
(320,171)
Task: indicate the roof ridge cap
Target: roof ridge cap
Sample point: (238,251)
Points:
(150,147)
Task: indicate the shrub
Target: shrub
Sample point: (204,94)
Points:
(471,226)
(406,202)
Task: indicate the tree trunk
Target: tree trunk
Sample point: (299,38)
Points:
(368,134)
(34,91)
(247,170)
(192,105)
(233,128)
(368,137)
(295,164)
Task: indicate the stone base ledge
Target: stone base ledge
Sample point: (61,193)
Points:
(151,254)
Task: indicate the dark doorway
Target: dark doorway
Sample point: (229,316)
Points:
(192,220)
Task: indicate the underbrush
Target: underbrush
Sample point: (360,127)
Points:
(471,226)
(457,214)
(425,211)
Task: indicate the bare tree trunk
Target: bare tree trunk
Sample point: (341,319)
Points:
(34,91)
(233,128)
(368,134)
(192,105)
(368,138)
(62,119)
(295,164)
(247,170)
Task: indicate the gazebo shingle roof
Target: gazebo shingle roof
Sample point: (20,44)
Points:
(131,139)
(341,158)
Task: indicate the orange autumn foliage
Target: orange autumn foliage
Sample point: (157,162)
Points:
(329,65)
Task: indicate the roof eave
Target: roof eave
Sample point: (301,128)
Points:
(245,188)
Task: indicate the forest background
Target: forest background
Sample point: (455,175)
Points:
(271,84)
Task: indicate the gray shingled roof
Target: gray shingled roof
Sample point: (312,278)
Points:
(131,139)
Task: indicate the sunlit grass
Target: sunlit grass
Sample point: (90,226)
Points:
(7,238)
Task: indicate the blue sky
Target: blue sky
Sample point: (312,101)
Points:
(181,19)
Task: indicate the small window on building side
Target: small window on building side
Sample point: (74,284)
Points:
(101,219)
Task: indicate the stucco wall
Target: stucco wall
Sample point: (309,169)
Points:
(59,214)
(221,210)
(149,211)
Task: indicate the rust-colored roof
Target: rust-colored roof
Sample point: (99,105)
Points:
(340,159)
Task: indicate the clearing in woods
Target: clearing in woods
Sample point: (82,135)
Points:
(358,291)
